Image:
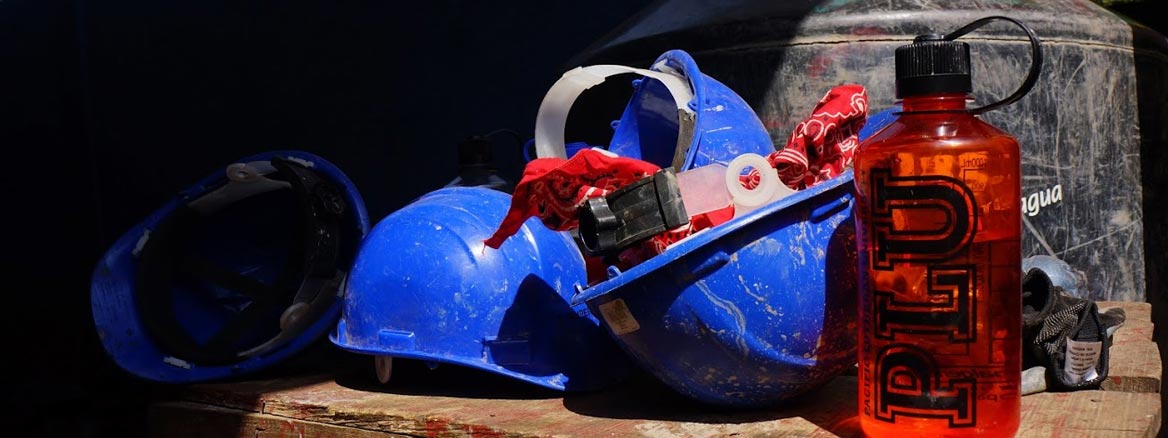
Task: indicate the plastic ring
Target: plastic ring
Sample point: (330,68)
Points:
(767,185)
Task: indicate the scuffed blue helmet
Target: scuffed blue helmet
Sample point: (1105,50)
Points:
(425,287)
(677,117)
(751,312)
(235,274)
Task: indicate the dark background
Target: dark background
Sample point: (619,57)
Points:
(108,108)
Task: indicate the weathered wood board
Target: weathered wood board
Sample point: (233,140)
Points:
(1135,358)
(475,405)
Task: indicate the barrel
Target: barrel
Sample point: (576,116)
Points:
(1089,129)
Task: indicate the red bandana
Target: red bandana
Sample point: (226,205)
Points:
(553,188)
(822,146)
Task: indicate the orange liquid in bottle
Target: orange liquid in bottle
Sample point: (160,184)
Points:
(939,230)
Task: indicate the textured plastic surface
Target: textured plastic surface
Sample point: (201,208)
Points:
(754,311)
(1081,164)
(632,213)
(932,65)
(245,240)
(940,291)
(425,287)
(724,126)
(703,189)
(769,188)
(878,121)
(553,110)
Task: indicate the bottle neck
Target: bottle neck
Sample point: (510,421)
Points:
(476,168)
(934,102)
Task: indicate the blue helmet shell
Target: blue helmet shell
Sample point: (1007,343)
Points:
(252,240)
(752,312)
(425,287)
(723,126)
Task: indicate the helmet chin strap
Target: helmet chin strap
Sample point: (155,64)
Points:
(312,267)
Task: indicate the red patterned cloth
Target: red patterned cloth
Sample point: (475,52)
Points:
(652,246)
(821,147)
(553,188)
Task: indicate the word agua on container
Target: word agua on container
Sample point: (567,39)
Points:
(1036,201)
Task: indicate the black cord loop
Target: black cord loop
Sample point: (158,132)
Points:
(1035,63)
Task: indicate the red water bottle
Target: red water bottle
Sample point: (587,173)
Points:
(939,228)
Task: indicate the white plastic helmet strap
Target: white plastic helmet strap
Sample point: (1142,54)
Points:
(553,111)
(244,180)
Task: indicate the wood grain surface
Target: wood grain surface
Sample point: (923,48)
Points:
(451,402)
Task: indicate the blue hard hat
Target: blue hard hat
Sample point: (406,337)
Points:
(677,117)
(877,121)
(721,124)
(235,274)
(425,287)
(755,311)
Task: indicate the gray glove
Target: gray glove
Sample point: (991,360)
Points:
(1065,334)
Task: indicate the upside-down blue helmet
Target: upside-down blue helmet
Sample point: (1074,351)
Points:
(749,313)
(235,274)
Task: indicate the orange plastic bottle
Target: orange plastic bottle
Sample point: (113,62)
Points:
(939,230)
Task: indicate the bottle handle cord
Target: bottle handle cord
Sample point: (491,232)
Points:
(1035,60)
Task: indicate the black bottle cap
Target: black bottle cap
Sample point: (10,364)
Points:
(932,65)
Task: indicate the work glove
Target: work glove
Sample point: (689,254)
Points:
(1065,334)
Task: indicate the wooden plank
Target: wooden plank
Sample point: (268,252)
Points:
(1135,358)
(1138,325)
(829,412)
(461,402)
(645,410)
(197,420)
(1090,414)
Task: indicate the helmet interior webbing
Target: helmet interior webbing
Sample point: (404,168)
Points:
(308,281)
